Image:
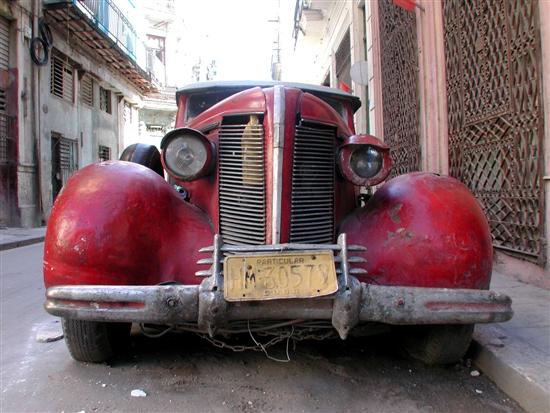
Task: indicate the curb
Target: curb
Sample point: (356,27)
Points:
(518,369)
(20,243)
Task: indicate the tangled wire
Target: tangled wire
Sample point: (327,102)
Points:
(291,330)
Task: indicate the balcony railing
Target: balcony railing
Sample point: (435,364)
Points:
(116,35)
(111,21)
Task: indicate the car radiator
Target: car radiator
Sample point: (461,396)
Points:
(242,183)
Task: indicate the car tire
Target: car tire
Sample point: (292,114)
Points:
(146,155)
(95,342)
(437,344)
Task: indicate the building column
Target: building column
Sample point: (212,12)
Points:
(434,138)
(372,34)
(357,40)
(544,16)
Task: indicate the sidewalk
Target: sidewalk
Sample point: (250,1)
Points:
(18,237)
(516,354)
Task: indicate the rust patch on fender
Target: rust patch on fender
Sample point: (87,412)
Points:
(394,213)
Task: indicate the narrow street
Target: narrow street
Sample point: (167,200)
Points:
(185,373)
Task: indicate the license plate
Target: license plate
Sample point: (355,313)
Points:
(280,275)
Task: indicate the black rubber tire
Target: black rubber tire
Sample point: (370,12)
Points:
(38,60)
(45,32)
(437,344)
(95,342)
(146,155)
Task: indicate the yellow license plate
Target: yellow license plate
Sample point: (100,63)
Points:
(304,274)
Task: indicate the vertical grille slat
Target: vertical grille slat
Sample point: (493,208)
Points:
(313,180)
(242,183)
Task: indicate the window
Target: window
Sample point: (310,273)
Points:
(64,161)
(104,153)
(157,46)
(61,79)
(105,100)
(127,112)
(87,90)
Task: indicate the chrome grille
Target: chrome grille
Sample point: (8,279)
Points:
(242,183)
(312,213)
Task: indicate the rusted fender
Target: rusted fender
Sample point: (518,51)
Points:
(423,230)
(119,223)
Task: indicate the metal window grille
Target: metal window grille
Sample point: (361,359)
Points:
(4,43)
(496,121)
(87,90)
(64,161)
(3,101)
(7,148)
(104,153)
(61,79)
(105,100)
(399,65)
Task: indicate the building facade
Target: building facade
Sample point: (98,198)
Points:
(67,99)
(454,88)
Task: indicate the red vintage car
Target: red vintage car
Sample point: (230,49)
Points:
(268,223)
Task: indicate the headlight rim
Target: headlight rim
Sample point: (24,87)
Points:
(349,146)
(210,153)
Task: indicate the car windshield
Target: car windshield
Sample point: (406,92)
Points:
(199,102)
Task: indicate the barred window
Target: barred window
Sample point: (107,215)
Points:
(87,90)
(61,79)
(104,153)
(64,161)
(105,100)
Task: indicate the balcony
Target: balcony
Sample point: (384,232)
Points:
(103,27)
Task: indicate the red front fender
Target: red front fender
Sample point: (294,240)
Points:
(423,230)
(119,223)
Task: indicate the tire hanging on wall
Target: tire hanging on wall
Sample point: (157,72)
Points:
(45,32)
(38,44)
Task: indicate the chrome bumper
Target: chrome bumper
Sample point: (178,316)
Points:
(177,304)
(354,302)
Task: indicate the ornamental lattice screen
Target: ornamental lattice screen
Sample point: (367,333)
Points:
(492,51)
(399,64)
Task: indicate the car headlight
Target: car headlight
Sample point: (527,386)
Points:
(364,160)
(187,154)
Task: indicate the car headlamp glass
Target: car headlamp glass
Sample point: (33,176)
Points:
(366,161)
(186,156)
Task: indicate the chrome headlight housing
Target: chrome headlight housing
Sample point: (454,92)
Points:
(364,160)
(187,154)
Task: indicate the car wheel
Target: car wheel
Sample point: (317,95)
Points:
(437,344)
(95,342)
(146,155)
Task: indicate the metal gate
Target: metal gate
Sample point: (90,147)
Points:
(399,63)
(492,51)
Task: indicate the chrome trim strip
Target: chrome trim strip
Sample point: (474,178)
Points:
(278,146)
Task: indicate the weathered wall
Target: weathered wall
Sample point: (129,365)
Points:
(40,113)
(89,126)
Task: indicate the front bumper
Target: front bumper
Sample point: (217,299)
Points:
(354,302)
(177,304)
